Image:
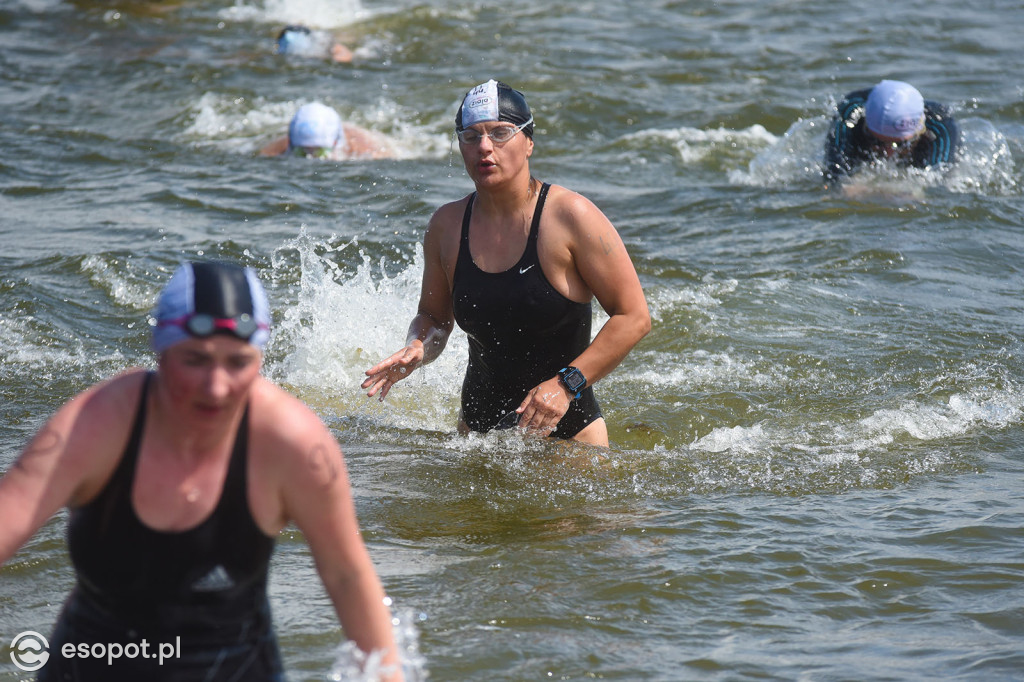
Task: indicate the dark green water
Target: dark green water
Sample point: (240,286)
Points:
(818,451)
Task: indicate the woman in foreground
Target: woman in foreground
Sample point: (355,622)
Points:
(178,481)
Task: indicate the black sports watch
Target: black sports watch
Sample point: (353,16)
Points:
(573,380)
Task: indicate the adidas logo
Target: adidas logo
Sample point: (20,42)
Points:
(214,581)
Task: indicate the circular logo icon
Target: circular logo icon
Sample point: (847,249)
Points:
(29,651)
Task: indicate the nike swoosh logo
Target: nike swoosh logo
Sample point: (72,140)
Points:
(522,270)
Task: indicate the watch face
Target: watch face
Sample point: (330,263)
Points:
(574,380)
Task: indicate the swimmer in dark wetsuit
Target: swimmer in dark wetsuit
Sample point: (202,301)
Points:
(174,513)
(517,264)
(889,121)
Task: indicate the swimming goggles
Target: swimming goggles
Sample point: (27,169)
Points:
(202,325)
(499,135)
(889,147)
(313,152)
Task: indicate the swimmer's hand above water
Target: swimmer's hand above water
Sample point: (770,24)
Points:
(388,372)
(543,407)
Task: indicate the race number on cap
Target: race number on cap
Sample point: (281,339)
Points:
(481,104)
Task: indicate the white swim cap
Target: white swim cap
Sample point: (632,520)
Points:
(494,101)
(894,109)
(294,40)
(316,125)
(298,40)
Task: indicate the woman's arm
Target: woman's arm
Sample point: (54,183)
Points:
(67,461)
(317,497)
(433,323)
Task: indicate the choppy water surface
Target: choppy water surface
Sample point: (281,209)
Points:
(817,452)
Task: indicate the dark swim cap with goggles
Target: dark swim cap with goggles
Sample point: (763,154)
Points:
(494,101)
(203,299)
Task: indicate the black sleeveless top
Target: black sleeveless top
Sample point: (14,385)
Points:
(521,331)
(206,584)
(848,144)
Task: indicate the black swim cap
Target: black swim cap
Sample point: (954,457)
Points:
(494,101)
(220,290)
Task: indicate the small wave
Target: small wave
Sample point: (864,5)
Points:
(110,274)
(30,348)
(925,422)
(695,145)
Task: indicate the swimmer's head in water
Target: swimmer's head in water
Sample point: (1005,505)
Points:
(494,101)
(294,40)
(316,127)
(302,42)
(206,298)
(895,110)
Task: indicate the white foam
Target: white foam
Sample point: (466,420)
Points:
(933,421)
(111,276)
(695,144)
(311,13)
(352,665)
(736,438)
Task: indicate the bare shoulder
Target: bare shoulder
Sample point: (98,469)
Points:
(278,416)
(573,210)
(448,217)
(105,409)
(443,232)
(78,446)
(275,148)
(581,225)
(289,438)
(365,143)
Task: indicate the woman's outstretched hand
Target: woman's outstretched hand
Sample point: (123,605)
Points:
(388,372)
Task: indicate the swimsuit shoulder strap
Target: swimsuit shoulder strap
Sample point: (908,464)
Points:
(466,216)
(131,450)
(541,197)
(234,494)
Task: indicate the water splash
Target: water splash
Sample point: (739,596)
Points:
(794,157)
(986,164)
(343,322)
(352,665)
(234,123)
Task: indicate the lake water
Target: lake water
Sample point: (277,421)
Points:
(817,454)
